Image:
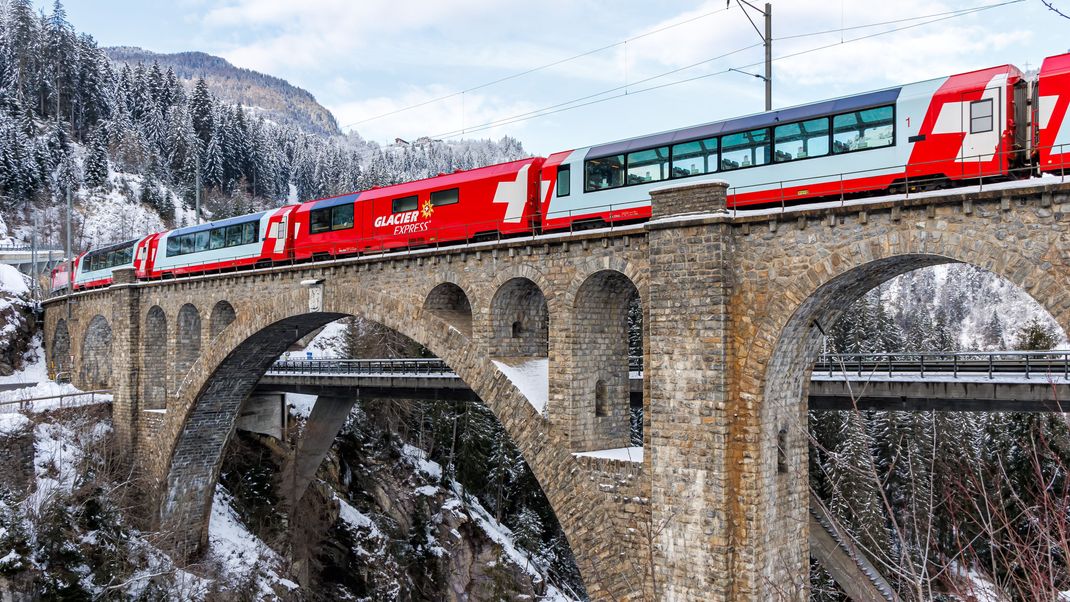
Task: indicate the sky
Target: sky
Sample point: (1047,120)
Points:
(646,66)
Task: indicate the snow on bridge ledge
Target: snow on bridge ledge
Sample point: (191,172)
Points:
(623,454)
(532,378)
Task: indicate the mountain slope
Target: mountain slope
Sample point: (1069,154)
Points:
(279,100)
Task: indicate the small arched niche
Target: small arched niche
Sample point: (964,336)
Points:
(450,303)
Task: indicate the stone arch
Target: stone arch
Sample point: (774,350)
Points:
(96,354)
(222,315)
(194,436)
(187,339)
(519,320)
(60,351)
(599,371)
(155,360)
(449,302)
(776,363)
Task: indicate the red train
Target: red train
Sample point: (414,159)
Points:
(991,123)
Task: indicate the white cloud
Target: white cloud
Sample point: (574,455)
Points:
(433,119)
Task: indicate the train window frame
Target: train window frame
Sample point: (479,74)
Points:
(341,210)
(441,198)
(172,247)
(990,117)
(564,180)
(249,233)
(857,113)
(319,220)
(587,185)
(401,204)
(748,133)
(234,235)
(217,239)
(206,235)
(706,153)
(805,138)
(662,158)
(185,244)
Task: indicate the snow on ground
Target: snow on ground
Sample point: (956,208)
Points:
(532,378)
(118,215)
(418,458)
(328,344)
(239,551)
(13,423)
(501,535)
(12,281)
(624,454)
(62,395)
(300,404)
(34,368)
(58,451)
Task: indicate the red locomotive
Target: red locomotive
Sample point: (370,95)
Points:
(928,134)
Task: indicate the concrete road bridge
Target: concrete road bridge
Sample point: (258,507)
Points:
(733,306)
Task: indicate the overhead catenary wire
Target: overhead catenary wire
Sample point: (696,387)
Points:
(535,69)
(615,92)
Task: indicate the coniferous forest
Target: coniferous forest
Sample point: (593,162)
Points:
(948,506)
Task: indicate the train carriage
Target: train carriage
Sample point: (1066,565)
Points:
(1052,100)
(499,200)
(237,242)
(94,268)
(952,128)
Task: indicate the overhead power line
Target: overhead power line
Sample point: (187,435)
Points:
(535,69)
(628,89)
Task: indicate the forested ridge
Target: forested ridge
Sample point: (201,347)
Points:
(135,136)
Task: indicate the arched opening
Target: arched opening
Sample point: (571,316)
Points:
(893,478)
(520,321)
(187,340)
(449,302)
(222,315)
(60,351)
(601,407)
(603,339)
(96,355)
(155,360)
(465,426)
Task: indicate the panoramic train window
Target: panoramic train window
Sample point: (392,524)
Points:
(745,149)
(217,239)
(407,203)
(858,130)
(445,197)
(649,165)
(564,180)
(342,217)
(694,158)
(339,217)
(981,116)
(607,172)
(801,140)
(201,243)
(248,233)
(205,240)
(319,220)
(185,244)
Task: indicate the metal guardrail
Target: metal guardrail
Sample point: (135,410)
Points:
(991,363)
(24,404)
(1027,363)
(418,366)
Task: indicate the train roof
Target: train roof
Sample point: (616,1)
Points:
(241,219)
(442,180)
(749,122)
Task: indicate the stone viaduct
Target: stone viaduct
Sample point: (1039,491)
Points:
(733,307)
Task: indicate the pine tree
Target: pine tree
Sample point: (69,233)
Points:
(201,109)
(993,333)
(1035,336)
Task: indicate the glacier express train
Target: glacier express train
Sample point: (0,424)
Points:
(992,123)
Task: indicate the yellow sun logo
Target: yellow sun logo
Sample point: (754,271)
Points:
(427,209)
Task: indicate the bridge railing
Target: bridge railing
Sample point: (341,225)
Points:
(64,401)
(989,363)
(406,366)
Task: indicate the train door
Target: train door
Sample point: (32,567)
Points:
(981,153)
